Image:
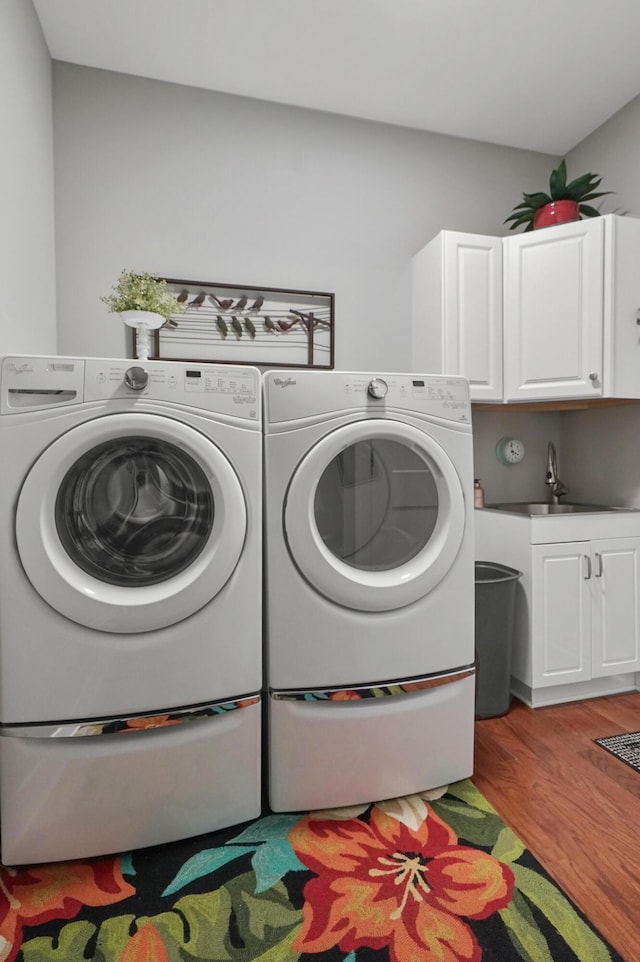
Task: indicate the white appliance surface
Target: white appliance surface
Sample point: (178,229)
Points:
(77,643)
(130,601)
(63,798)
(369,579)
(334,753)
(389,613)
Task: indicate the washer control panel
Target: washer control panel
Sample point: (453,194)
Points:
(41,383)
(224,389)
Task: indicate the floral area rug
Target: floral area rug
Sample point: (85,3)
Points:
(416,879)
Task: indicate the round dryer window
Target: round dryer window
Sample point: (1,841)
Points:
(135,532)
(375,515)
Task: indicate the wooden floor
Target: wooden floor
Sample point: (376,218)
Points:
(573,804)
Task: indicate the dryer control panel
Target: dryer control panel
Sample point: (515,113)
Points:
(293,395)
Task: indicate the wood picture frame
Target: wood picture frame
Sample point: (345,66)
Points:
(231,324)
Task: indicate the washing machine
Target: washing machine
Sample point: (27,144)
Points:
(369,585)
(130,603)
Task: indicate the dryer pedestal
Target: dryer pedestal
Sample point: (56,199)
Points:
(327,750)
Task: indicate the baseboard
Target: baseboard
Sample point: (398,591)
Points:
(559,694)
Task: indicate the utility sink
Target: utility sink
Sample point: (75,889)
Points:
(543,507)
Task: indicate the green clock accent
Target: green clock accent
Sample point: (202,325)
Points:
(509,451)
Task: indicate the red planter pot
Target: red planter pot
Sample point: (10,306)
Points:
(557,212)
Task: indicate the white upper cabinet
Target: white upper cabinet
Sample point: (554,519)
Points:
(556,309)
(553,312)
(457,311)
(621,350)
(571,310)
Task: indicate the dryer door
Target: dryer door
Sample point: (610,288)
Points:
(130,522)
(374,515)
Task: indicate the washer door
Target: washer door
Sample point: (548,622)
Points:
(374,515)
(130,522)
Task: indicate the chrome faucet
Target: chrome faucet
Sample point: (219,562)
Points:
(556,486)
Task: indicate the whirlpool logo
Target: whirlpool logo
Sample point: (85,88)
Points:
(19,368)
(284,382)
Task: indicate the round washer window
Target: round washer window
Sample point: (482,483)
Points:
(130,522)
(134,511)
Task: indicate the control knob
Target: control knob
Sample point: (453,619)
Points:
(377,387)
(136,378)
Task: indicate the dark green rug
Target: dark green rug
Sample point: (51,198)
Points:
(416,879)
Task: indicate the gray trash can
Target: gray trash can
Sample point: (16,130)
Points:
(495,607)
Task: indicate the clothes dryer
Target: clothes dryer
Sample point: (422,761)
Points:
(369,579)
(130,603)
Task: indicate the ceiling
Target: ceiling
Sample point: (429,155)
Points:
(536,75)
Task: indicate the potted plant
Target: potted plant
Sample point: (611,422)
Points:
(564,202)
(143,302)
(142,292)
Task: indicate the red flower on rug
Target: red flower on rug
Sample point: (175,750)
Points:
(387,883)
(36,894)
(345,695)
(155,721)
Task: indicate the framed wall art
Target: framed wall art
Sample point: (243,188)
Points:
(268,326)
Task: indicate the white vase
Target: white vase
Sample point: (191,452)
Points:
(144,322)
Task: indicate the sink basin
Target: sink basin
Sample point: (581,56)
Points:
(543,508)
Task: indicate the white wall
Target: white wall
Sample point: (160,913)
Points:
(188,183)
(612,151)
(598,449)
(515,482)
(27,259)
(603,447)
(598,453)
(601,450)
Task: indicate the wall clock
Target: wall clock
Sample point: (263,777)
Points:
(510,451)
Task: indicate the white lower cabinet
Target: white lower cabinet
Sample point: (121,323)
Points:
(584,610)
(577,613)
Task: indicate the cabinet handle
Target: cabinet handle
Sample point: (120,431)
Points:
(588,560)
(599,569)
(593,376)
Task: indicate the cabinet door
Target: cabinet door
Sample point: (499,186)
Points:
(622,300)
(457,310)
(553,312)
(561,613)
(616,590)
(473,310)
